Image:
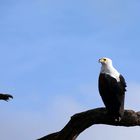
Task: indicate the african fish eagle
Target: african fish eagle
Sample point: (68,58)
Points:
(112,87)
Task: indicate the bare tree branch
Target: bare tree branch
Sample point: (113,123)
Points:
(81,121)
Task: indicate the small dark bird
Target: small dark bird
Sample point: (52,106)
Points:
(112,87)
(5,97)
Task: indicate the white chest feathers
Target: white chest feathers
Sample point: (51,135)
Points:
(110,70)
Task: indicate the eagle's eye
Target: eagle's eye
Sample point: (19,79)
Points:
(104,60)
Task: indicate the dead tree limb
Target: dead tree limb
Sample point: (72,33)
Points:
(81,121)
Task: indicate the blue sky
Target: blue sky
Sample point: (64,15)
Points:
(49,53)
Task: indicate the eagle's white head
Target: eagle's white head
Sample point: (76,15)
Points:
(105,61)
(107,68)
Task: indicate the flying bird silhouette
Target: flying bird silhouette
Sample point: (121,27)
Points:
(5,97)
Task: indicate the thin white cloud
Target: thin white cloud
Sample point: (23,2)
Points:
(31,124)
(99,132)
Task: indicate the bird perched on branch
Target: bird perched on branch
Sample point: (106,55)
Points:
(112,87)
(5,97)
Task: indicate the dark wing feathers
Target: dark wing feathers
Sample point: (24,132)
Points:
(110,84)
(109,89)
(112,92)
(123,83)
